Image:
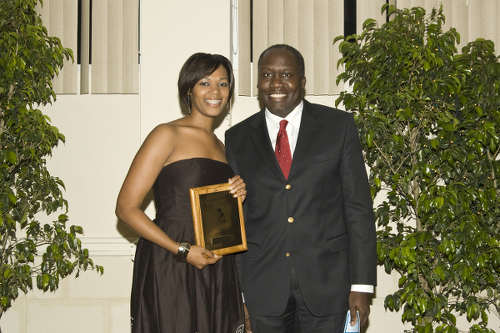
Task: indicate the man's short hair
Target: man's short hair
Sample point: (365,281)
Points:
(298,56)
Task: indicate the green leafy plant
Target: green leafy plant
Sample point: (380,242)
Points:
(429,122)
(29,249)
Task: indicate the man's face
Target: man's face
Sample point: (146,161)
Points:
(281,85)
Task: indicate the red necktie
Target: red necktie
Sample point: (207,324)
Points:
(282,151)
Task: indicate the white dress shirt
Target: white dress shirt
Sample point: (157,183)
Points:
(292,130)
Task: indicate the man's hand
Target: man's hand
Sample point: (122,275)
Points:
(361,302)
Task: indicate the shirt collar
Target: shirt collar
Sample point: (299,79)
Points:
(293,117)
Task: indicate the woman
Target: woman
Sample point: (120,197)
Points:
(178,287)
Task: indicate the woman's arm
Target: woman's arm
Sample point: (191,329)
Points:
(141,176)
(143,171)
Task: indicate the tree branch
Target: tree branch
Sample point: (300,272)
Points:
(493,175)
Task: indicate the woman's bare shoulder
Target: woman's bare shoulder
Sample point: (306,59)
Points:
(161,141)
(164,131)
(166,136)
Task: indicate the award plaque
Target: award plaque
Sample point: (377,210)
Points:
(218,220)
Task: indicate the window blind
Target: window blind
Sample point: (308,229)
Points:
(60,17)
(111,29)
(471,18)
(308,25)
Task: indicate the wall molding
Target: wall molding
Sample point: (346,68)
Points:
(108,246)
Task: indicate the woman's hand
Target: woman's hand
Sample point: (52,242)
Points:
(200,257)
(248,327)
(238,187)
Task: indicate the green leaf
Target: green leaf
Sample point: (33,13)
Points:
(428,120)
(12,157)
(369,139)
(29,59)
(45,281)
(12,198)
(369,24)
(4,301)
(7,273)
(341,37)
(439,271)
(439,202)
(434,143)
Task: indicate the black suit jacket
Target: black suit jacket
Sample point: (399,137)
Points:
(331,240)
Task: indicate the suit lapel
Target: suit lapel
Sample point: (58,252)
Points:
(260,137)
(309,127)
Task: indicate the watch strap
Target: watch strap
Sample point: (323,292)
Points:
(183,251)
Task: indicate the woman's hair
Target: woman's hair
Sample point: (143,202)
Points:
(198,66)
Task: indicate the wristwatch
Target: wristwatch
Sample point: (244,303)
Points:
(183,251)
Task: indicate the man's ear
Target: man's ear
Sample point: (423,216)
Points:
(303,86)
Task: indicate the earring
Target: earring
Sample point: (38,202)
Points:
(189,102)
(229,116)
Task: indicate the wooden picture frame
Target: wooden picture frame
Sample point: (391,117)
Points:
(218,221)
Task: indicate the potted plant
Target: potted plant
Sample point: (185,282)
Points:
(429,122)
(31,249)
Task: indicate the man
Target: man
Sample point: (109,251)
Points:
(308,212)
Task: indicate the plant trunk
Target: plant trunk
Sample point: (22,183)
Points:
(493,176)
(415,183)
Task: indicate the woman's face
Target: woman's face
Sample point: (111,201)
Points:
(209,95)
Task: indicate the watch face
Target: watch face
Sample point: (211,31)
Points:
(183,250)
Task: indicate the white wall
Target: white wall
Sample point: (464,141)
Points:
(103,132)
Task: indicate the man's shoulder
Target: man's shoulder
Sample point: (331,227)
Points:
(244,124)
(327,112)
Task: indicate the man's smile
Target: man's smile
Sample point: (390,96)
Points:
(277,95)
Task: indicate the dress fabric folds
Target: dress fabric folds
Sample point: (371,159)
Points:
(169,296)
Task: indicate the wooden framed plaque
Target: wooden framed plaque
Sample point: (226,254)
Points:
(218,221)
